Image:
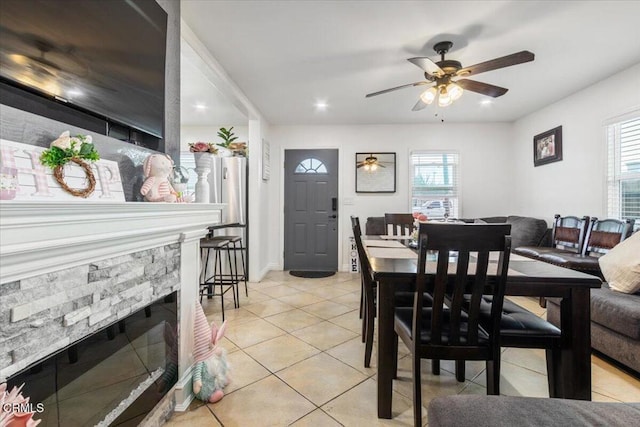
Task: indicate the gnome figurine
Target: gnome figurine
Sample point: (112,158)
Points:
(211,372)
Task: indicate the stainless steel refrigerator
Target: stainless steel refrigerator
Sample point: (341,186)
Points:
(228,184)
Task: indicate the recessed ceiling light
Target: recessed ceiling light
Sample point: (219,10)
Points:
(201,106)
(486,102)
(321,105)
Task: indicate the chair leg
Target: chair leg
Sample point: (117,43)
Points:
(493,376)
(554,372)
(417,391)
(395,356)
(543,302)
(460,370)
(368,346)
(219,269)
(361,297)
(233,279)
(435,366)
(244,271)
(363,310)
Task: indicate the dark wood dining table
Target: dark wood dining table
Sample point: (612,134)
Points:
(526,278)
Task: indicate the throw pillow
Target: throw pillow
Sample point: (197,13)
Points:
(621,266)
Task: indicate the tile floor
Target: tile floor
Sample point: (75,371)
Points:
(297,358)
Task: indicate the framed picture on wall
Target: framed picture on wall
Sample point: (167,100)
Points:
(547,147)
(375,172)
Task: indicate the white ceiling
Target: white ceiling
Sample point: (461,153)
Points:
(287,55)
(196,89)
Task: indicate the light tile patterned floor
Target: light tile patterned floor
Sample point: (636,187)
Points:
(297,359)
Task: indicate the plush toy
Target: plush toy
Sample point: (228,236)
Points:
(157,169)
(211,372)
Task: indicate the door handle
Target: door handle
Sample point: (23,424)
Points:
(333,216)
(334,204)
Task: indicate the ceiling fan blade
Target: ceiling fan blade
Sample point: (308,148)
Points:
(427,65)
(482,88)
(396,88)
(419,105)
(494,64)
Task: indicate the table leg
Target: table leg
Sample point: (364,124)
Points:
(576,351)
(385,346)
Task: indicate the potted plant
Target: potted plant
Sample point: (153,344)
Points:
(229,145)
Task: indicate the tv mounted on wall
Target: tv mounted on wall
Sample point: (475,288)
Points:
(104,58)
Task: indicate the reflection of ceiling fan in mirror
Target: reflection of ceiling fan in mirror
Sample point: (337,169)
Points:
(440,76)
(370,163)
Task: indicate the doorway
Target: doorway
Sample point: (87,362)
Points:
(311,210)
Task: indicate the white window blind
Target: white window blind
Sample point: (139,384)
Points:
(623,169)
(434,184)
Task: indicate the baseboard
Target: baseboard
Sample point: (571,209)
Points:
(184,391)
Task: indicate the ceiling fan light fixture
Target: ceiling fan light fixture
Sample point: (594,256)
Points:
(429,95)
(455,91)
(444,100)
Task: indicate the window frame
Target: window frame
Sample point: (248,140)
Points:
(458,177)
(613,179)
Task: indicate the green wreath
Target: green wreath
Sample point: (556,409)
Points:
(78,151)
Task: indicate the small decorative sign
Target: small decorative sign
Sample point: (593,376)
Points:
(266,160)
(23,177)
(354,266)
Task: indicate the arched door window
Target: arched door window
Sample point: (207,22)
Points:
(311,166)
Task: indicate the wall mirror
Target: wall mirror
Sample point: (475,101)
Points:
(375,172)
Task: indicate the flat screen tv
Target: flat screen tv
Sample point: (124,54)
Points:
(105,57)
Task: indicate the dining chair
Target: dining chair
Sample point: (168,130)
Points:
(367,297)
(403,296)
(603,234)
(356,221)
(521,328)
(448,328)
(398,224)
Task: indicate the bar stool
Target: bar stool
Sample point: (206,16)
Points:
(209,283)
(234,271)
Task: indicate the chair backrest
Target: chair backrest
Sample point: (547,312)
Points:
(355,221)
(398,224)
(456,297)
(602,235)
(569,232)
(365,267)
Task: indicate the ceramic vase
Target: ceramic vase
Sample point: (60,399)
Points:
(204,162)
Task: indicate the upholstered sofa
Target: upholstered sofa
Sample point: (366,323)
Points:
(525,231)
(615,324)
(474,411)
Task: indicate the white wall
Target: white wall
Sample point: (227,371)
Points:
(575,185)
(484,158)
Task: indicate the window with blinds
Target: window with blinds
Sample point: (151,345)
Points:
(623,169)
(434,184)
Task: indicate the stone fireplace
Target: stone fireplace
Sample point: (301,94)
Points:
(97,300)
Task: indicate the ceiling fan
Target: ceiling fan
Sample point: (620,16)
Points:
(440,75)
(370,163)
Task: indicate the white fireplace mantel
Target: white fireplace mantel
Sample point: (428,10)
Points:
(37,238)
